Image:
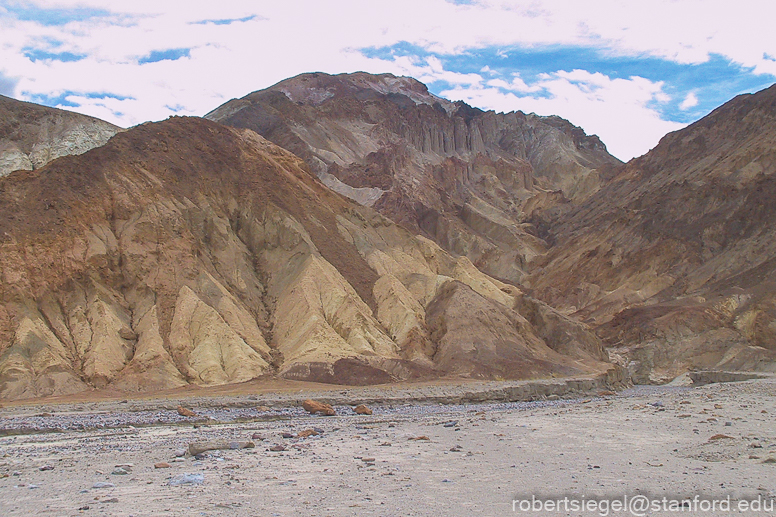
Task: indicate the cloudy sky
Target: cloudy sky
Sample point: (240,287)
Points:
(627,71)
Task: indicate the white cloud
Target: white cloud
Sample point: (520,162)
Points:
(689,102)
(294,36)
(617,110)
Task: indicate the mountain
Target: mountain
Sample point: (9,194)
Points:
(33,135)
(187,252)
(465,178)
(669,257)
(674,259)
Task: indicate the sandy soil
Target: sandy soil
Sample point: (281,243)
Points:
(656,440)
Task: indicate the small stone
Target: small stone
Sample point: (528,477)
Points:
(277,448)
(728,424)
(187,479)
(16,473)
(111,500)
(313,407)
(451,423)
(753,457)
(606,393)
(162,465)
(718,406)
(368,460)
(769,460)
(83,508)
(120,471)
(196,448)
(103,484)
(307,433)
(420,438)
(257,436)
(361,409)
(318,430)
(32,487)
(45,468)
(287,435)
(385,444)
(721,437)
(179,453)
(182,411)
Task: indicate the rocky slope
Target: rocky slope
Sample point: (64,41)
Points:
(674,260)
(33,135)
(464,178)
(187,252)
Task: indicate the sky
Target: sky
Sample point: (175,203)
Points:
(627,71)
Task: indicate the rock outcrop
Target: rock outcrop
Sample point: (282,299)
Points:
(32,135)
(462,177)
(186,252)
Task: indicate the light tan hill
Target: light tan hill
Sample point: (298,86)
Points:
(33,135)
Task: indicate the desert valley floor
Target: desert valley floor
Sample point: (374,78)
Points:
(126,457)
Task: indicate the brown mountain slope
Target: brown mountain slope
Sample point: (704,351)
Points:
(188,252)
(675,259)
(33,135)
(460,176)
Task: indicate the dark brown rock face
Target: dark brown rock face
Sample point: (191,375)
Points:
(463,177)
(674,260)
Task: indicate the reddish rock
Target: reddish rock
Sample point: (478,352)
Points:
(162,465)
(361,409)
(307,433)
(313,407)
(182,411)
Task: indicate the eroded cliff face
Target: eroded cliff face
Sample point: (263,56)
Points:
(33,135)
(465,178)
(674,261)
(186,252)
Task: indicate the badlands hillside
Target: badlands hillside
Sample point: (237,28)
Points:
(356,229)
(669,258)
(187,252)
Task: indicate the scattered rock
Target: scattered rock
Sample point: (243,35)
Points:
(162,465)
(451,423)
(606,393)
(287,435)
(187,479)
(769,460)
(368,460)
(420,438)
(257,436)
(196,448)
(307,433)
(182,411)
(111,500)
(45,468)
(277,448)
(361,409)
(721,437)
(83,508)
(120,471)
(728,424)
(103,484)
(313,407)
(179,453)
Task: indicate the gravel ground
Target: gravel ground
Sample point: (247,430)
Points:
(127,458)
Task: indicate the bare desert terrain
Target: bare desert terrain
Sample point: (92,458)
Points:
(411,456)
